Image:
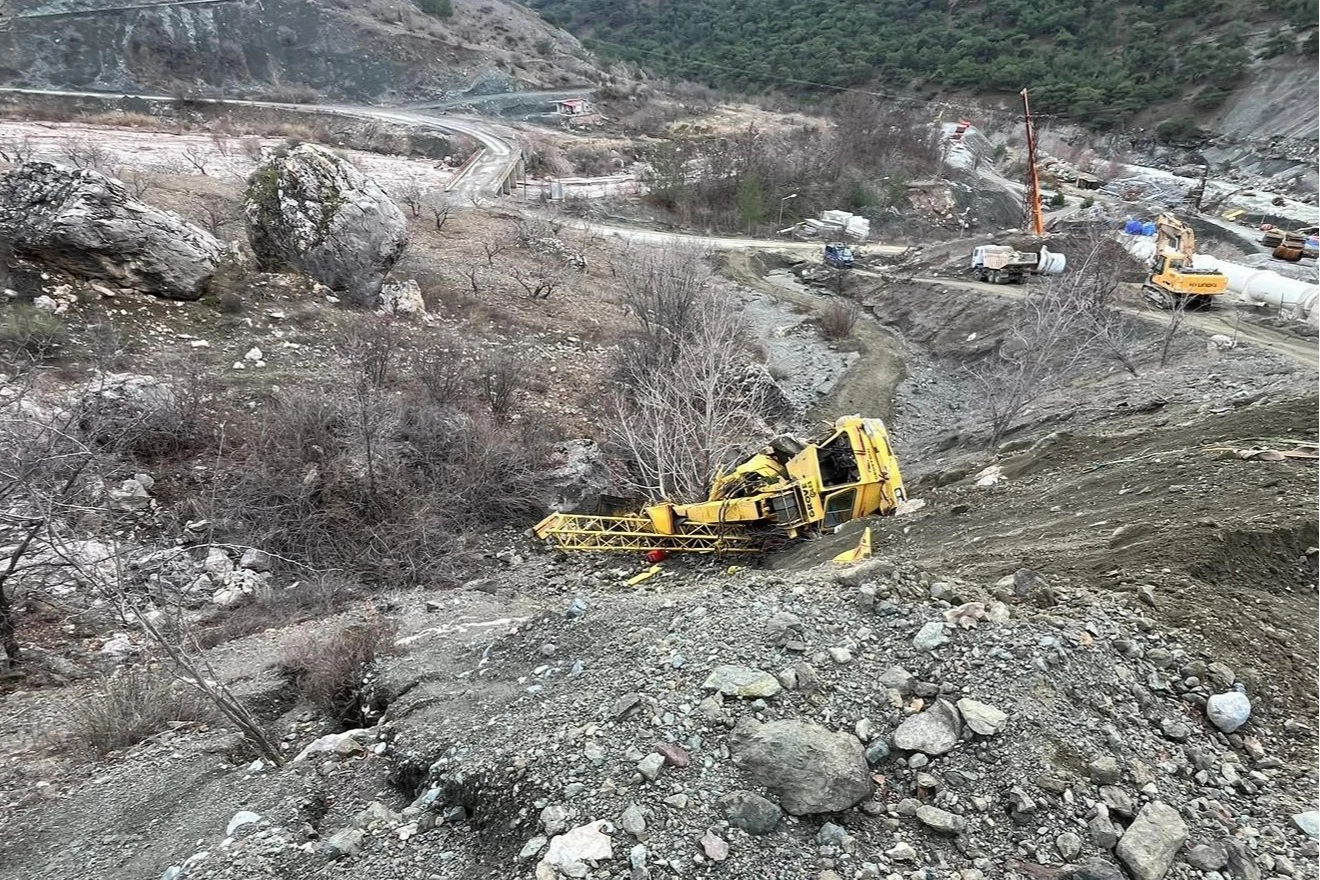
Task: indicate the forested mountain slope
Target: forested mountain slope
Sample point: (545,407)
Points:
(1095,60)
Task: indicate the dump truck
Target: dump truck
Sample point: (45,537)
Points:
(1001,264)
(788,490)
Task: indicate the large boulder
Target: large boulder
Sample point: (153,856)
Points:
(87,224)
(933,732)
(1148,847)
(810,768)
(309,210)
(577,475)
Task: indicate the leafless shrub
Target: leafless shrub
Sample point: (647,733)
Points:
(29,336)
(443,374)
(839,318)
(316,597)
(501,377)
(167,420)
(592,161)
(133,705)
(87,153)
(17,149)
(385,485)
(331,671)
(251,148)
(441,216)
(229,303)
(137,183)
(539,283)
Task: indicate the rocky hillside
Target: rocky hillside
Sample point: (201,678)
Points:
(290,49)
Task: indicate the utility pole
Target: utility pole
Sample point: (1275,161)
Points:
(1034,215)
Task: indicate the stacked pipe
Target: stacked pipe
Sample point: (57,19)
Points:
(1297,299)
(1267,287)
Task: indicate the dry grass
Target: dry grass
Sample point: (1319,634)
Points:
(125,119)
(315,598)
(331,671)
(133,705)
(839,318)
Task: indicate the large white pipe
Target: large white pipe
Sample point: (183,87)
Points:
(1300,299)
(1256,285)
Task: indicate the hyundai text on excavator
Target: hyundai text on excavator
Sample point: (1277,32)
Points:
(1173,279)
(786,491)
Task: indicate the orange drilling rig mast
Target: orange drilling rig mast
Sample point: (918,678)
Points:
(1034,214)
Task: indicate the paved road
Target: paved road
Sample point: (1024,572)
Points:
(723,243)
(505,98)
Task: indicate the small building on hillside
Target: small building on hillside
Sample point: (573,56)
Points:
(573,107)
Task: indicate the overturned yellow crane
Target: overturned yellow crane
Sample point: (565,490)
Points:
(786,491)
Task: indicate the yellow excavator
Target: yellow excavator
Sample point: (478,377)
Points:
(786,491)
(1173,280)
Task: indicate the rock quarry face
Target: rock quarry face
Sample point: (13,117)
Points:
(311,211)
(87,224)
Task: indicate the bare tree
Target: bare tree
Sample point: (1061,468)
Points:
(663,292)
(411,196)
(196,157)
(1049,337)
(217,213)
(473,275)
(224,144)
(441,216)
(86,153)
(538,284)
(136,182)
(1177,308)
(493,248)
(1093,282)
(681,420)
(17,150)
